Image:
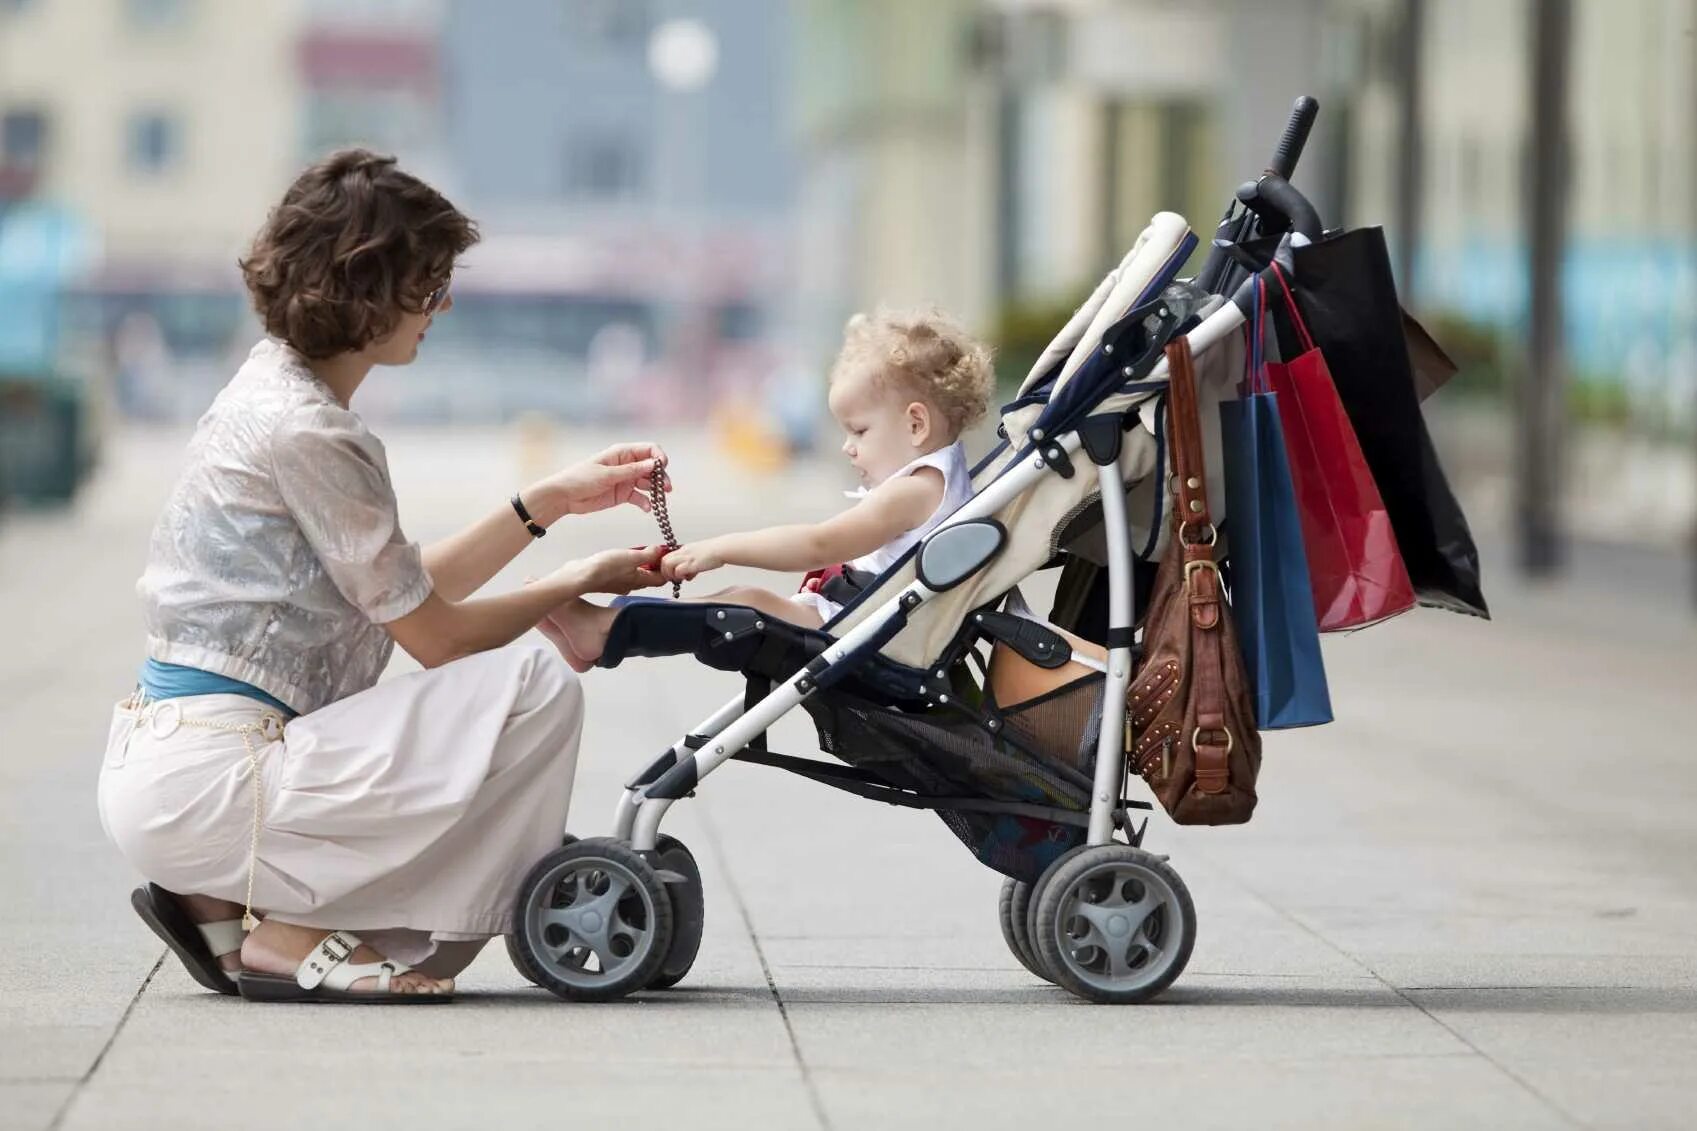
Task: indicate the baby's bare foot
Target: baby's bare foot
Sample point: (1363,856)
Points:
(563,644)
(582,629)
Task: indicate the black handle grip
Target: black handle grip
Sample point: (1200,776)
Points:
(1277,192)
(1289,152)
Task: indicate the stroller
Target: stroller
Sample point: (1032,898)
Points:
(904,685)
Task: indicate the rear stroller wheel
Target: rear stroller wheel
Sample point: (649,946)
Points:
(689,911)
(512,936)
(1013,909)
(592,921)
(1114,924)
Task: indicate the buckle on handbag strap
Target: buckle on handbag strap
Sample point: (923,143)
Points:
(1196,736)
(1200,563)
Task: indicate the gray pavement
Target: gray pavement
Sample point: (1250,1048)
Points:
(1471,902)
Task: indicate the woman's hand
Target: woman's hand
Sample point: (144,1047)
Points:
(618,475)
(686,562)
(615,571)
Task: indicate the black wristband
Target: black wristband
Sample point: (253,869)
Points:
(530,524)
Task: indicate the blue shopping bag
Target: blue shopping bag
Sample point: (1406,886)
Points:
(1271,597)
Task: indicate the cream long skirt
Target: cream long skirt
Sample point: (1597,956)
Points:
(407,813)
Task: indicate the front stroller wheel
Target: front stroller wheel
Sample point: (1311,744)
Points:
(1114,924)
(1013,910)
(689,911)
(592,921)
(512,938)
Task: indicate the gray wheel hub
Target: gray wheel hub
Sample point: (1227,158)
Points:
(1113,926)
(594,922)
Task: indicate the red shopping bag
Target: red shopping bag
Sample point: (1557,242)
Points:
(1354,565)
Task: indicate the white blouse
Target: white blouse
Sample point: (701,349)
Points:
(279,554)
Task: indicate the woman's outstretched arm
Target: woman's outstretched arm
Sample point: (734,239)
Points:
(463,563)
(441,630)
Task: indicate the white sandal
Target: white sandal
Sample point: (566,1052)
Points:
(326,974)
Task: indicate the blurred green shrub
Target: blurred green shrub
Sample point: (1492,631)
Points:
(1022,329)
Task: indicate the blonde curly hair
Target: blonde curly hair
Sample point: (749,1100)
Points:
(925,355)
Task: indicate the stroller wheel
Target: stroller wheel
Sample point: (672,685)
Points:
(512,937)
(592,921)
(1013,909)
(1114,923)
(689,911)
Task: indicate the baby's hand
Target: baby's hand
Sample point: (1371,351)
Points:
(685,562)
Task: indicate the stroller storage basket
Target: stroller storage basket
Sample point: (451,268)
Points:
(1032,755)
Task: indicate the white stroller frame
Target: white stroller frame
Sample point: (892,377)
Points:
(1105,919)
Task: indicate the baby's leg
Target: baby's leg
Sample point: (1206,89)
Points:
(765,601)
(580,628)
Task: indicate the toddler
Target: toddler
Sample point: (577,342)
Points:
(903,388)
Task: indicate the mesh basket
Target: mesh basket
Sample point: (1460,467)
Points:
(1039,758)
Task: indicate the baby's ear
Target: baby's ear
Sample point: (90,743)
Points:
(920,423)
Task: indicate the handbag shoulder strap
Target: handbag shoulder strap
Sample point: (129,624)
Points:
(1193,524)
(1184,430)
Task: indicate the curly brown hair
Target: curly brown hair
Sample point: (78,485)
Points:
(354,243)
(924,354)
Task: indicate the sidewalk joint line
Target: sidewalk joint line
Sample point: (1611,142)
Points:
(100,1057)
(1526,1085)
(813,1097)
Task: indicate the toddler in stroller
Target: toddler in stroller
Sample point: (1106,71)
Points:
(903,389)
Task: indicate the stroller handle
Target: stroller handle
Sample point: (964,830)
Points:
(1274,192)
(1289,151)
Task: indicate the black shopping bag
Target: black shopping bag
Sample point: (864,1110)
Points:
(1347,295)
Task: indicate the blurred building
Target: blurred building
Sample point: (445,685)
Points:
(161,122)
(977,153)
(630,163)
(1630,280)
(896,128)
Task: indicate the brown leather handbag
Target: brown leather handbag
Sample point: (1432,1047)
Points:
(1190,714)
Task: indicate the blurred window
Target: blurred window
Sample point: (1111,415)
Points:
(149,15)
(382,119)
(602,167)
(155,142)
(7,7)
(557,324)
(739,322)
(609,23)
(23,137)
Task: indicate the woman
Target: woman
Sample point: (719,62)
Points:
(260,769)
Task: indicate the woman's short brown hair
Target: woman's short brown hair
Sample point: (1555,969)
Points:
(354,243)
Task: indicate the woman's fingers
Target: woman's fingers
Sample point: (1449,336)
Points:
(631,453)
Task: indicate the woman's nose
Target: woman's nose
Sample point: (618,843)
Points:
(447,303)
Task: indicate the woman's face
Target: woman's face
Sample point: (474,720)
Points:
(400,347)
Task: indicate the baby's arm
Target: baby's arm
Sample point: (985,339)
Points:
(894,506)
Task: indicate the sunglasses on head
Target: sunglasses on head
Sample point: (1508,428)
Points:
(438,296)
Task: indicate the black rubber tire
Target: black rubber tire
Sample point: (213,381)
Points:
(512,942)
(1011,910)
(1055,900)
(689,911)
(598,854)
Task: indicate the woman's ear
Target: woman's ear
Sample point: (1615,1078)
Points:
(919,423)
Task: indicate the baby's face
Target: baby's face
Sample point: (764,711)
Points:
(880,434)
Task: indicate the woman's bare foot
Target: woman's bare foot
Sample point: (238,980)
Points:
(581,629)
(279,948)
(205,909)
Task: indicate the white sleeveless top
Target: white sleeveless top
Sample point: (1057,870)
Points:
(957,488)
